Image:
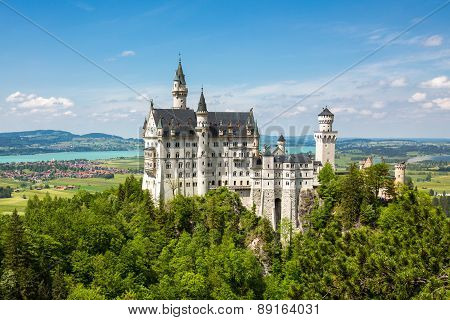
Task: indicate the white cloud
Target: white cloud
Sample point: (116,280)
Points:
(433,41)
(443,103)
(69,114)
(127,53)
(437,83)
(33,101)
(418,97)
(399,82)
(378,105)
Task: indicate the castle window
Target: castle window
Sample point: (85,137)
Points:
(248,182)
(213,182)
(234,182)
(268,175)
(168,155)
(213,155)
(194,174)
(244,144)
(241,183)
(287,183)
(188,144)
(194,144)
(181,184)
(225,144)
(234,173)
(235,144)
(168,165)
(226,164)
(180,174)
(216,144)
(194,165)
(234,154)
(188,164)
(247,173)
(287,175)
(180,165)
(220,164)
(268,166)
(226,182)
(194,155)
(177,144)
(177,155)
(188,175)
(194,184)
(240,173)
(168,144)
(168,176)
(188,154)
(188,184)
(220,155)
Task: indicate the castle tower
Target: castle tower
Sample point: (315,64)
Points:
(400,169)
(202,131)
(179,89)
(325,138)
(281,144)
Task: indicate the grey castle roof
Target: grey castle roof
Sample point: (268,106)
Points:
(202,103)
(185,120)
(326,112)
(281,139)
(179,75)
(293,158)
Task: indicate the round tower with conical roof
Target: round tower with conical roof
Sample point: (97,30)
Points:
(202,131)
(179,89)
(325,138)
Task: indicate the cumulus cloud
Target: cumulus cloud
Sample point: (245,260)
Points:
(437,83)
(33,101)
(433,41)
(378,105)
(127,53)
(399,82)
(418,97)
(443,103)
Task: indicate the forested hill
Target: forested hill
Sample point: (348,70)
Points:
(119,245)
(45,141)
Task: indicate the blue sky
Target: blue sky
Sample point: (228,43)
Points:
(262,54)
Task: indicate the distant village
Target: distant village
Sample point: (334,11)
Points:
(38,172)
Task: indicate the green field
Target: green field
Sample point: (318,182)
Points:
(125,163)
(19,202)
(91,185)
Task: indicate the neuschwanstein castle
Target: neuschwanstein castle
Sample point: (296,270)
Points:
(191,151)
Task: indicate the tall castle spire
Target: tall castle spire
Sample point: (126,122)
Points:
(179,89)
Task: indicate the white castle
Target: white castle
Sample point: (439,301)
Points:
(192,151)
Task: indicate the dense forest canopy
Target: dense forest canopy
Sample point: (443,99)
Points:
(118,244)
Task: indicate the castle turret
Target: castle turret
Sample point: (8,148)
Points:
(179,89)
(202,131)
(325,138)
(400,169)
(281,144)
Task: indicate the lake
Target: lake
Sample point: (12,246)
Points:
(92,155)
(101,155)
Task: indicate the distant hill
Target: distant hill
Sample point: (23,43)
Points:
(45,141)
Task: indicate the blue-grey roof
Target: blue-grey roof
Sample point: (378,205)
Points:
(326,112)
(185,120)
